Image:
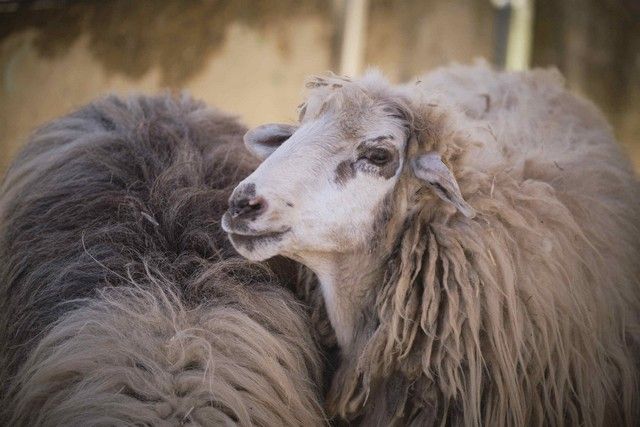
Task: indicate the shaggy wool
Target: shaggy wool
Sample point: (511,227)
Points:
(121,301)
(527,313)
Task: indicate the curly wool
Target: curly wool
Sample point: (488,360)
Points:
(121,300)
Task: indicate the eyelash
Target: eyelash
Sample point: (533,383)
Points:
(377,156)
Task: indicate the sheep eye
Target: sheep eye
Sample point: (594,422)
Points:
(378,156)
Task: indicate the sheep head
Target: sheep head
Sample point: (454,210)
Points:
(342,180)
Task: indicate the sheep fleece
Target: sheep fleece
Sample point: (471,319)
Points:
(121,301)
(527,314)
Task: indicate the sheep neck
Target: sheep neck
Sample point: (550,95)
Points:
(347,281)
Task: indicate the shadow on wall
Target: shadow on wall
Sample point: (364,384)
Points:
(175,36)
(246,57)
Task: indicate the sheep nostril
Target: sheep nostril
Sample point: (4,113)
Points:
(256,202)
(246,206)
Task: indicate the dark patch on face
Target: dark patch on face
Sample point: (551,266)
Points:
(366,161)
(367,151)
(389,170)
(247,190)
(289,204)
(344,172)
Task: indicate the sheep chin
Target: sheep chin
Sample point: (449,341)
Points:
(260,247)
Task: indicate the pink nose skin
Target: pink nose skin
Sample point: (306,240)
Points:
(247,208)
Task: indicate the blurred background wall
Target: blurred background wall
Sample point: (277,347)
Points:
(251,57)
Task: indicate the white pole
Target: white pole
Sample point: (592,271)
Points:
(520,35)
(353,37)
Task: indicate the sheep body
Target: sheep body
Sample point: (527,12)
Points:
(527,314)
(121,301)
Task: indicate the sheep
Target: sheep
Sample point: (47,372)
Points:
(475,234)
(121,300)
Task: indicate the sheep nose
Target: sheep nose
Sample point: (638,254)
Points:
(244,204)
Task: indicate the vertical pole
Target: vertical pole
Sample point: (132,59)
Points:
(501,20)
(353,37)
(520,35)
(513,33)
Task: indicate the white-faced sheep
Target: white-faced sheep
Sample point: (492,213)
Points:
(121,302)
(476,236)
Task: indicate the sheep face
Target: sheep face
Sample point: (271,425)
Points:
(321,186)
(333,183)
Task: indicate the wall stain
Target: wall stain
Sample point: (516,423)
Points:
(177,36)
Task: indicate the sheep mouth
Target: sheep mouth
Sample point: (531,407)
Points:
(249,241)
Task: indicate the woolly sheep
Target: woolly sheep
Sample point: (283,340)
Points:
(121,300)
(476,238)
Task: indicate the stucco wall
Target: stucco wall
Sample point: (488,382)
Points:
(251,57)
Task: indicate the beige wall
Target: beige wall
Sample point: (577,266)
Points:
(255,73)
(251,57)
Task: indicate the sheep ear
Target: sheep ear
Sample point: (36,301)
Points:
(431,169)
(265,139)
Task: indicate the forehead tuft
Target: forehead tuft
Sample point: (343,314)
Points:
(345,98)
